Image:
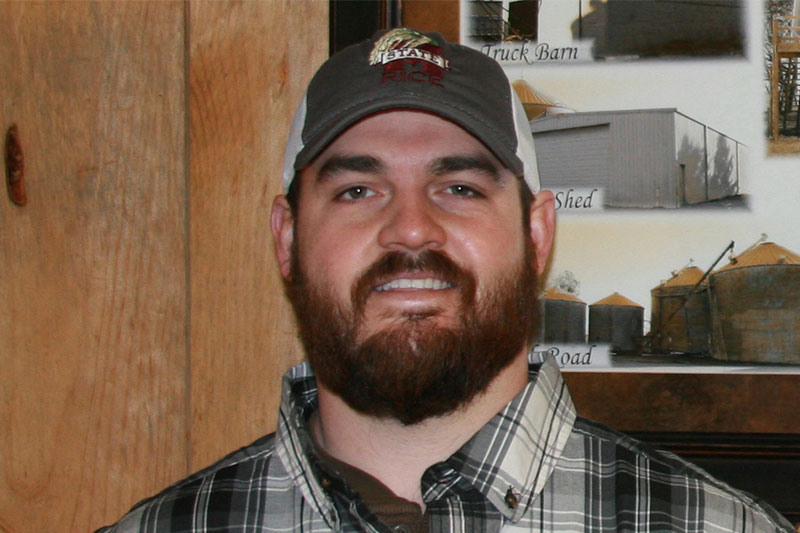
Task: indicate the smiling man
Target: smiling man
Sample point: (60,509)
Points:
(411,238)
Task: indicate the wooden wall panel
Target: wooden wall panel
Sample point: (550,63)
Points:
(249,64)
(92,293)
(433,15)
(707,403)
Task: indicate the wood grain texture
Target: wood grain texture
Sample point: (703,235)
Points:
(709,403)
(249,64)
(434,15)
(92,296)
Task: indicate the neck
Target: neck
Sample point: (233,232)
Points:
(396,454)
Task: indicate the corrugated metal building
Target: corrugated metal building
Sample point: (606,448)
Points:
(618,321)
(641,158)
(755,306)
(564,317)
(679,317)
(648,28)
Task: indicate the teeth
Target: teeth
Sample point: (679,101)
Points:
(428,283)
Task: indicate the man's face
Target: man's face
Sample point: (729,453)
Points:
(411,272)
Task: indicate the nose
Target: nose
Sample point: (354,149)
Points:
(412,223)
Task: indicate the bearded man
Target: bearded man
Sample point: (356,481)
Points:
(410,238)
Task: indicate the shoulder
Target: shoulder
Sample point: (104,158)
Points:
(220,492)
(607,443)
(670,484)
(241,465)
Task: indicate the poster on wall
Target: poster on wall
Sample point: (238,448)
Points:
(677,246)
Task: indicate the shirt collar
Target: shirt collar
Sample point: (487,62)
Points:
(509,460)
(293,440)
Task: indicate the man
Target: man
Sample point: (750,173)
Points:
(411,238)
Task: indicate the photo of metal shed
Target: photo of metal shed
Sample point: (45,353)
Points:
(657,28)
(643,158)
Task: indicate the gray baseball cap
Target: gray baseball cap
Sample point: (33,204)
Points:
(408,69)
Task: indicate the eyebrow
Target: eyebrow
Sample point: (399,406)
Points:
(457,163)
(353,163)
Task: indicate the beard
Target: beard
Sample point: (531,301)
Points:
(415,369)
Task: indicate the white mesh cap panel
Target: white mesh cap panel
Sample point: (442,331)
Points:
(294,144)
(525,149)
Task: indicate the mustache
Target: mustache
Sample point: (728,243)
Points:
(434,262)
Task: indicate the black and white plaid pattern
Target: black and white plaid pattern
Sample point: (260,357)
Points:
(534,467)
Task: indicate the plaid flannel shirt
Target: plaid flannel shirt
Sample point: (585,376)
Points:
(534,467)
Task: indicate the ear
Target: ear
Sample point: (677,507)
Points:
(282,225)
(543,221)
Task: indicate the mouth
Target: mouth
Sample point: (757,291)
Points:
(414,284)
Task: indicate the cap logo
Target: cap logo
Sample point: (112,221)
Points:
(419,55)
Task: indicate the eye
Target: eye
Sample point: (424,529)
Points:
(463,190)
(356,193)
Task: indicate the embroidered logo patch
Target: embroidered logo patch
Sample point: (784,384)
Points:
(408,55)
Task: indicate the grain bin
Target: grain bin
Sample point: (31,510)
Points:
(618,321)
(536,103)
(679,319)
(564,317)
(755,306)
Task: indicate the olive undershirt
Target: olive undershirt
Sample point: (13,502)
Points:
(401,515)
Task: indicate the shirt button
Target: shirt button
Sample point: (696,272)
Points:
(511,499)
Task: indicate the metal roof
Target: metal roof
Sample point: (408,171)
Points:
(534,102)
(764,254)
(618,300)
(687,276)
(554,294)
(594,117)
(529,95)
